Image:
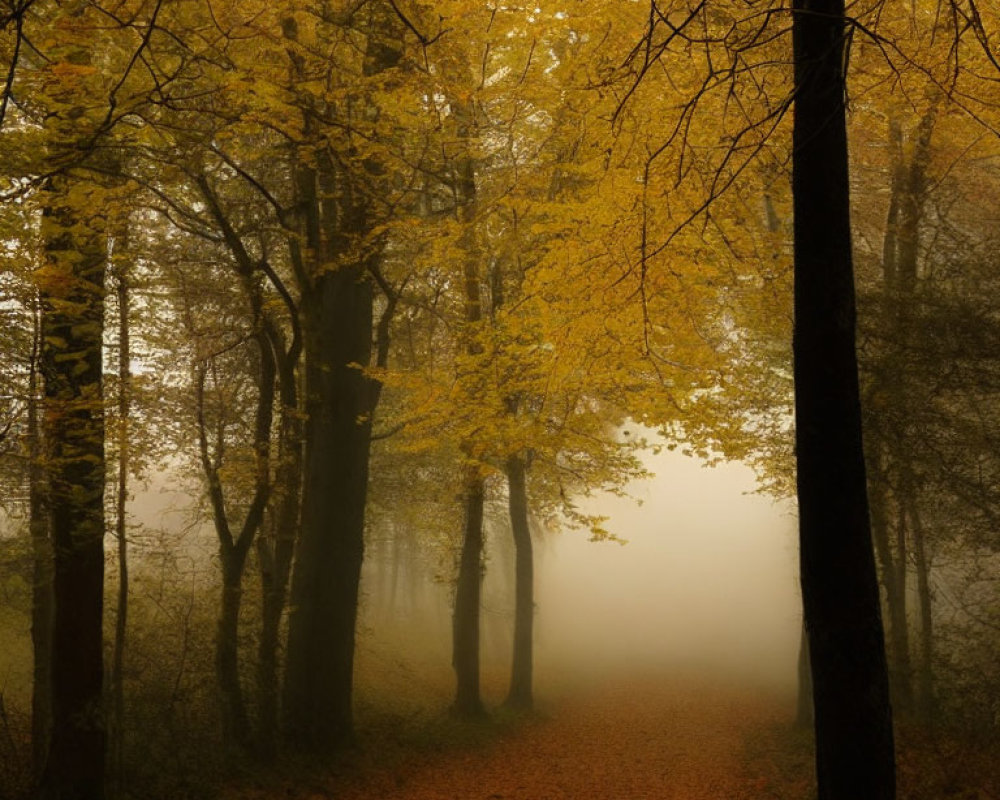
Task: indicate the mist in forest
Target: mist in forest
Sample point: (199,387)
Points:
(700,579)
(706,579)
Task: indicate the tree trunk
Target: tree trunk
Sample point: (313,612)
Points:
(804,702)
(72,291)
(465,641)
(117,711)
(233,549)
(336,315)
(892,567)
(854,737)
(520,693)
(41,545)
(899,627)
(890,435)
(278,361)
(275,559)
(227,661)
(317,694)
(925,705)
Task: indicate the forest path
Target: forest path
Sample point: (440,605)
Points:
(643,739)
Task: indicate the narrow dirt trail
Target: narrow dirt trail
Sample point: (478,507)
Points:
(628,740)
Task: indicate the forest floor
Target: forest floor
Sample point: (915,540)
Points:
(616,739)
(646,738)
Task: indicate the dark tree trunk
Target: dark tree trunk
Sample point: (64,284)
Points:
(520,693)
(279,360)
(227,659)
(804,717)
(465,642)
(468,586)
(335,269)
(275,558)
(317,694)
(854,737)
(233,549)
(72,291)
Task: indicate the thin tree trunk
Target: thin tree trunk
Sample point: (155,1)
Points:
(925,704)
(466,627)
(41,544)
(233,549)
(227,662)
(520,695)
(72,291)
(900,668)
(468,589)
(854,737)
(277,362)
(892,568)
(276,565)
(391,599)
(117,712)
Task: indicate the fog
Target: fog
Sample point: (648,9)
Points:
(706,581)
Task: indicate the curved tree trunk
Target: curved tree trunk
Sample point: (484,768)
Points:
(854,737)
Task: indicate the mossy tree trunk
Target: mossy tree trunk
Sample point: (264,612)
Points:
(72,289)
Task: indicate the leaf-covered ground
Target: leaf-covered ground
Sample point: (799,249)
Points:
(649,738)
(623,740)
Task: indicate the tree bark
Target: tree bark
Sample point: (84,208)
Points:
(900,668)
(336,318)
(117,679)
(336,314)
(520,695)
(804,717)
(41,545)
(466,628)
(227,662)
(925,704)
(72,291)
(275,559)
(853,719)
(337,324)
(892,568)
